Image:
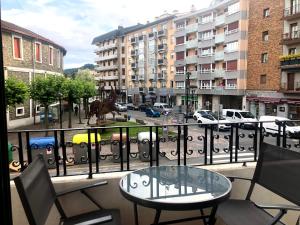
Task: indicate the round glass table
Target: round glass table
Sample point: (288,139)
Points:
(176,188)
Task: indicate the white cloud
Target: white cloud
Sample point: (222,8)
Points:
(73,24)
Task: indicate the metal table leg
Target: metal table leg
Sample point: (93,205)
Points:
(136,216)
(212,217)
(157,215)
(204,219)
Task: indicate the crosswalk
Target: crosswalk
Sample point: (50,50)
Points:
(225,157)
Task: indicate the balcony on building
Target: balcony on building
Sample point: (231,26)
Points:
(220,20)
(292,12)
(191,44)
(111,77)
(191,59)
(162,33)
(107,47)
(141,77)
(162,48)
(142,89)
(151,76)
(219,56)
(290,87)
(104,68)
(108,57)
(134,53)
(291,38)
(133,65)
(151,35)
(219,38)
(134,78)
(162,75)
(193,75)
(191,28)
(134,40)
(152,90)
(161,62)
(290,62)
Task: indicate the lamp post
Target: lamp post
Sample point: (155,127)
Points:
(60,95)
(187,90)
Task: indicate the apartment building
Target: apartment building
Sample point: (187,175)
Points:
(27,55)
(211,46)
(151,62)
(111,56)
(273,85)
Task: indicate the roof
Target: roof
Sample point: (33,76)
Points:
(121,31)
(6,26)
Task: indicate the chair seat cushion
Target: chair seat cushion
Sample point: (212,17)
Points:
(92,218)
(243,212)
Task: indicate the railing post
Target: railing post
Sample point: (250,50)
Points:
(237,142)
(150,147)
(20,151)
(185,138)
(97,143)
(255,141)
(90,155)
(29,153)
(64,150)
(211,149)
(121,149)
(284,134)
(56,154)
(231,143)
(178,144)
(205,144)
(157,146)
(278,133)
(127,147)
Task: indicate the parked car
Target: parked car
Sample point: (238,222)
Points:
(121,107)
(245,118)
(270,126)
(142,107)
(131,106)
(207,116)
(163,108)
(152,112)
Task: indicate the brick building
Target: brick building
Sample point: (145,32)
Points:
(27,55)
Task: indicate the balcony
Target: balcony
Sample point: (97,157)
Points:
(290,62)
(142,89)
(191,59)
(108,57)
(151,76)
(290,88)
(292,13)
(134,78)
(191,28)
(221,155)
(152,90)
(134,53)
(219,38)
(134,40)
(162,33)
(133,65)
(219,56)
(104,68)
(161,62)
(162,75)
(291,38)
(141,77)
(220,21)
(115,77)
(162,48)
(107,47)
(191,44)
(221,90)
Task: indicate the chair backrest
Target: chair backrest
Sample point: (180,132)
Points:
(278,170)
(36,191)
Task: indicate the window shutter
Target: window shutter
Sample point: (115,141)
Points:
(179,55)
(179,40)
(233,26)
(232,65)
(17,49)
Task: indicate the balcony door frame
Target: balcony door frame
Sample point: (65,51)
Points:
(291,81)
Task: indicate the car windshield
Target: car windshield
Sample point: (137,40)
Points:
(215,115)
(167,106)
(291,124)
(247,115)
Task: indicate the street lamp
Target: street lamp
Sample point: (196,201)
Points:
(187,90)
(60,95)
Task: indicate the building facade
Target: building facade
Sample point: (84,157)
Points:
(273,64)
(27,55)
(211,44)
(111,60)
(150,62)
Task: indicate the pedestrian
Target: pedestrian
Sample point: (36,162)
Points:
(76,110)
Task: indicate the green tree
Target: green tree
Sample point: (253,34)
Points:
(74,91)
(45,90)
(16,91)
(89,88)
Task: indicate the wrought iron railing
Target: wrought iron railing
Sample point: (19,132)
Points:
(182,144)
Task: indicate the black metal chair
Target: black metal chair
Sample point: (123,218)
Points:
(277,170)
(37,195)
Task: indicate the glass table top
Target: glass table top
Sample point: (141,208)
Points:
(175,184)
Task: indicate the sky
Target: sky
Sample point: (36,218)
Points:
(74,23)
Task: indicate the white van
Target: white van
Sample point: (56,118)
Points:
(292,129)
(245,118)
(162,107)
(207,116)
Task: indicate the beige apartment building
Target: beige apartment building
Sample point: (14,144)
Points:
(150,62)
(211,44)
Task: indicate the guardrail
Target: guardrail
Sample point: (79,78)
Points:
(182,144)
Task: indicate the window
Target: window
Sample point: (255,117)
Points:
(17,47)
(266,12)
(206,51)
(232,46)
(50,55)
(238,115)
(229,114)
(20,111)
(179,84)
(180,70)
(232,27)
(38,52)
(263,79)
(231,65)
(264,57)
(233,8)
(207,18)
(206,35)
(265,36)
(180,40)
(37,109)
(58,59)
(179,55)
(292,51)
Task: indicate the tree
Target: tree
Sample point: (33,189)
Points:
(74,91)
(16,91)
(45,90)
(88,81)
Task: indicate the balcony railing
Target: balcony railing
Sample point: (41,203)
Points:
(161,62)
(292,12)
(220,20)
(162,47)
(187,144)
(293,88)
(191,28)
(290,63)
(291,38)
(162,33)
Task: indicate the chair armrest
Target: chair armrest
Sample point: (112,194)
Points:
(232,178)
(80,188)
(279,207)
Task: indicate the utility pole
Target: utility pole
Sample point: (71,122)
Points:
(187,90)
